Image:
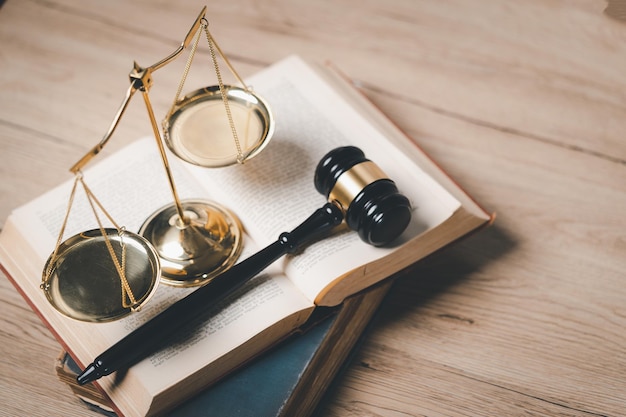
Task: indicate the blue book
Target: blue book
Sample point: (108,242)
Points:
(289,379)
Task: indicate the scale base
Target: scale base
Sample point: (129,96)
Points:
(194,251)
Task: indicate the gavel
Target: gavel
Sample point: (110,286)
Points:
(370,202)
(357,190)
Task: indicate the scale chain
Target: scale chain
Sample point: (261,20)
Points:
(212,46)
(127,293)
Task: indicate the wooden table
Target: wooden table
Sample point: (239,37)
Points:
(523,102)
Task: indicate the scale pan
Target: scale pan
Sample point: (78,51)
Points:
(84,284)
(199,131)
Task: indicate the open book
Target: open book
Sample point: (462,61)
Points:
(315,111)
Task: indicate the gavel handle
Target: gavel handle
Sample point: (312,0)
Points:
(319,223)
(152,336)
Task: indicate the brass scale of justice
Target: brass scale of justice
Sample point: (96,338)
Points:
(191,242)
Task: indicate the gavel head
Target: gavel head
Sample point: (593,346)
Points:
(371,202)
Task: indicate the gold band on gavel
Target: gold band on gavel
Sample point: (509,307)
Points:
(350,183)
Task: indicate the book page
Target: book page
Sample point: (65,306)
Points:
(131,185)
(274,192)
(263,301)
